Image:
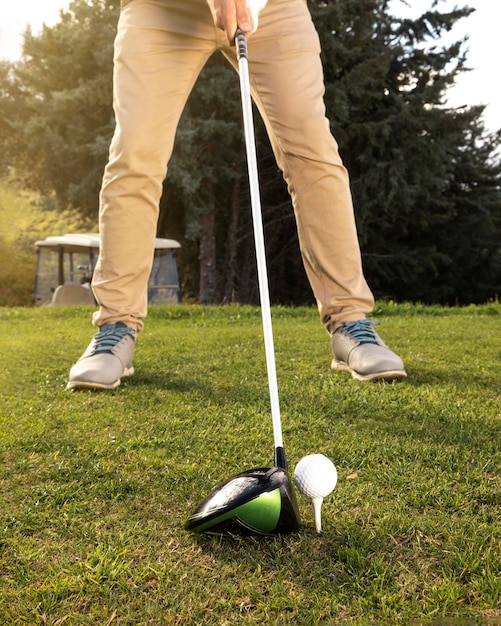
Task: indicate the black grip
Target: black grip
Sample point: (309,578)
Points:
(241,43)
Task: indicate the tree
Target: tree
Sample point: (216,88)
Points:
(63,119)
(11,95)
(424,178)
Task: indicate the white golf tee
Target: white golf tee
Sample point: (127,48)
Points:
(317,508)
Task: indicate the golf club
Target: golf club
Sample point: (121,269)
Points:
(260,500)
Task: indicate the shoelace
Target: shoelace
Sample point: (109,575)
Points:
(109,335)
(362,330)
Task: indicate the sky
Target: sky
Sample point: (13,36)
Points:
(480,86)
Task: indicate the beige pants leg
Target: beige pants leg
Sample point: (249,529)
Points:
(156,64)
(287,82)
(160,48)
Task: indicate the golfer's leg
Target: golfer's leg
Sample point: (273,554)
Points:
(287,83)
(160,48)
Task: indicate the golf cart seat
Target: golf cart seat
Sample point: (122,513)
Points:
(71,294)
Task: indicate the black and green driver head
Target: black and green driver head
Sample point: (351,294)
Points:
(260,501)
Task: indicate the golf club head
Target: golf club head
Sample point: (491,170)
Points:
(260,501)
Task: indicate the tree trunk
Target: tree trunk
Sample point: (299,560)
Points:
(207,259)
(229,290)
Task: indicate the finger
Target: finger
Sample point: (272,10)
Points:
(230,15)
(243,16)
(237,17)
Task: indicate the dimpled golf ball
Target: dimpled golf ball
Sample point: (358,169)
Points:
(315,476)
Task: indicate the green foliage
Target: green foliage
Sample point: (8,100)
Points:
(25,218)
(63,91)
(95,487)
(425,181)
(17,271)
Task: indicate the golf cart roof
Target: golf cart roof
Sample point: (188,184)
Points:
(80,241)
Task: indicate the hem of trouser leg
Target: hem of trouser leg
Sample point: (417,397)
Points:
(333,326)
(98,319)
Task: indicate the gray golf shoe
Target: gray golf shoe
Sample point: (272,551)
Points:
(106,360)
(358,348)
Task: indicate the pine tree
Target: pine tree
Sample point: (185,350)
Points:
(64,120)
(424,178)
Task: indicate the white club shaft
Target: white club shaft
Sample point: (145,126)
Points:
(250,144)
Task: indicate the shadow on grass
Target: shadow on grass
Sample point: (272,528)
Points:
(459,374)
(204,386)
(164,381)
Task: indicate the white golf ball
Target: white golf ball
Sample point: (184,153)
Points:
(315,476)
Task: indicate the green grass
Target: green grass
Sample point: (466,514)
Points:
(95,486)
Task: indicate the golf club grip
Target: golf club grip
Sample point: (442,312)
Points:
(241,44)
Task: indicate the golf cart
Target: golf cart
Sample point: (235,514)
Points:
(65,265)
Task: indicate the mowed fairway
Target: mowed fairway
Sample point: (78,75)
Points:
(95,486)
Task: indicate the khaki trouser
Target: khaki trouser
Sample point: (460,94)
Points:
(160,49)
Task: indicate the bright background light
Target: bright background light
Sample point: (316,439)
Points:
(480,86)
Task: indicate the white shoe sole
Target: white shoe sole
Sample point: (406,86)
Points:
(87,384)
(387,375)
